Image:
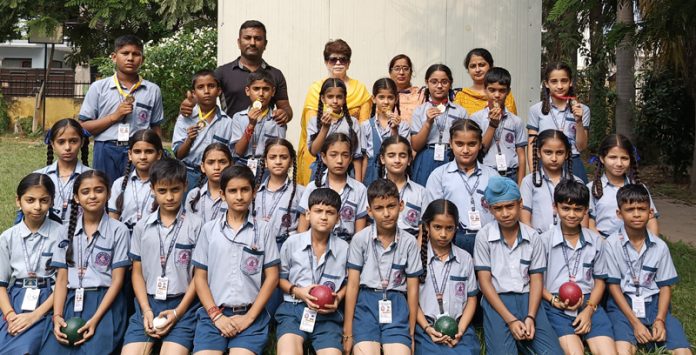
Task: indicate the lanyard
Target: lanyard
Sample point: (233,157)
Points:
(27,258)
(82,261)
(140,206)
(256,138)
(217,204)
(441,123)
(469,189)
(440,291)
(555,122)
(310,253)
(61,190)
(629,262)
(571,272)
(164,258)
(276,200)
(378,260)
(344,200)
(548,188)
(127,96)
(203,118)
(254,227)
(499,132)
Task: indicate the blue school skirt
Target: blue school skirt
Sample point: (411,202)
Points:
(366,326)
(328,329)
(467,345)
(28,341)
(108,333)
(181,333)
(425,163)
(562,323)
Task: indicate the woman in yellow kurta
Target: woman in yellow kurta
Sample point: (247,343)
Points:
(337,59)
(473,99)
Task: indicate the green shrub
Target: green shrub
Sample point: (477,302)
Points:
(4,114)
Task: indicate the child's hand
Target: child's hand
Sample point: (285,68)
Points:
(148,316)
(87,331)
(21,322)
(254,115)
(326,119)
(659,333)
(432,114)
(280,116)
(556,302)
(394,120)
(642,334)
(518,330)
(347,344)
(573,307)
(583,322)
(186,107)
(457,337)
(241,322)
(530,328)
(495,114)
(330,308)
(303,294)
(59,322)
(437,337)
(192,132)
(124,108)
(227,328)
(577,110)
(171,320)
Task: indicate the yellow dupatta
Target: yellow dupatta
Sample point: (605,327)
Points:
(473,102)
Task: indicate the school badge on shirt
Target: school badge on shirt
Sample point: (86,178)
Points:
(347,213)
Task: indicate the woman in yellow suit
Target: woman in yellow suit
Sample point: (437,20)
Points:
(477,62)
(337,58)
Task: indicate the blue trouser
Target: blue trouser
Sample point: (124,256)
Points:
(465,239)
(110,158)
(193,177)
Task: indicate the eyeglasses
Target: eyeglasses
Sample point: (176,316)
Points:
(401,69)
(335,60)
(443,82)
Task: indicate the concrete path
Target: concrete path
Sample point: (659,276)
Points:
(677,220)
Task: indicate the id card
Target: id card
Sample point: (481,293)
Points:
(79,300)
(31,299)
(253,163)
(638,306)
(309,318)
(501,162)
(161,291)
(474,220)
(439,152)
(123,132)
(385,312)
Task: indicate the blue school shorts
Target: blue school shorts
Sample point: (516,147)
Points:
(676,338)
(562,323)
(208,336)
(465,239)
(425,163)
(366,326)
(110,158)
(29,341)
(328,329)
(467,345)
(181,333)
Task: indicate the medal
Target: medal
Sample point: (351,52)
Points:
(257,104)
(129,99)
(201,124)
(441,107)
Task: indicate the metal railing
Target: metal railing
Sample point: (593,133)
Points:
(54,88)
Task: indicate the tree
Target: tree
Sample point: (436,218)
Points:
(625,70)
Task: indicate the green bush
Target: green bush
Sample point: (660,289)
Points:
(4,114)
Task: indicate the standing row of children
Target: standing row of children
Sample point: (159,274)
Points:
(214,288)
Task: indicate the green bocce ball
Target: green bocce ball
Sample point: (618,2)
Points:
(73,325)
(447,326)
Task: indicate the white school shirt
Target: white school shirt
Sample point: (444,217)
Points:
(206,208)
(272,207)
(137,199)
(603,210)
(510,135)
(219,130)
(266,128)
(539,200)
(439,131)
(38,246)
(558,120)
(64,191)
(367,137)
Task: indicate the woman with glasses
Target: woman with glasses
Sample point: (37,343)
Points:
(477,62)
(337,59)
(401,71)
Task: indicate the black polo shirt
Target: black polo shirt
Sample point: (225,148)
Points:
(233,77)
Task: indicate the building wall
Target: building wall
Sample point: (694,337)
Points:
(56,108)
(429,31)
(33,51)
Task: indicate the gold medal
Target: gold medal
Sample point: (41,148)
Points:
(257,105)
(201,124)
(129,99)
(441,107)
(496,104)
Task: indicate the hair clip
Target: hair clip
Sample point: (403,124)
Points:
(86,133)
(635,154)
(593,159)
(47,137)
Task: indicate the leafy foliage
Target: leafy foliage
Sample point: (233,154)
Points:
(4,115)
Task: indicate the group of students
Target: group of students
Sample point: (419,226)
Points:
(212,247)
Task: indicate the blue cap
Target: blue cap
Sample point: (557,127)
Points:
(501,189)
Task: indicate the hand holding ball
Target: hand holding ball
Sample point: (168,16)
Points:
(159,322)
(446,325)
(570,292)
(324,295)
(71,329)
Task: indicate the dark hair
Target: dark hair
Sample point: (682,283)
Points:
(539,142)
(436,207)
(385,84)
(42,180)
(479,52)
(166,170)
(202,73)
(262,75)
(216,146)
(398,57)
(546,94)
(60,127)
(336,83)
(324,196)
(270,142)
(252,24)
(467,125)
(443,68)
(612,141)
(337,46)
(239,172)
(74,207)
(143,135)
(498,75)
(125,40)
(382,188)
(397,139)
(328,142)
(632,193)
(571,192)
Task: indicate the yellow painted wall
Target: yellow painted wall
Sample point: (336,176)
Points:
(56,108)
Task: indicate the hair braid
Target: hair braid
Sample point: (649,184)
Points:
(124,184)
(597,189)
(633,170)
(353,134)
(319,172)
(320,112)
(85,151)
(424,253)
(260,172)
(545,98)
(194,201)
(292,195)
(72,225)
(536,167)
(569,167)
(49,154)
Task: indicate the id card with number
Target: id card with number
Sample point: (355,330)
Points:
(31,299)
(638,306)
(79,300)
(123,132)
(161,290)
(439,154)
(309,318)
(474,220)
(501,162)
(385,312)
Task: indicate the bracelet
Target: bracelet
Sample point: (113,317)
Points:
(659,319)
(53,318)
(212,311)
(249,131)
(554,299)
(4,317)
(176,315)
(292,288)
(492,125)
(532,318)
(512,321)
(217,316)
(591,305)
(346,337)
(426,328)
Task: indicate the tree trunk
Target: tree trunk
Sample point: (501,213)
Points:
(625,70)
(597,76)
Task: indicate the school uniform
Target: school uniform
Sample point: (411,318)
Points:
(24,267)
(466,192)
(206,208)
(266,128)
(137,199)
(581,264)
(640,275)
(175,244)
(353,205)
(539,200)
(300,267)
(64,190)
(562,121)
(425,162)
(510,135)
(510,270)
(603,210)
(340,126)
(105,252)
(414,197)
(103,98)
(454,278)
(372,136)
(379,266)
(235,262)
(219,130)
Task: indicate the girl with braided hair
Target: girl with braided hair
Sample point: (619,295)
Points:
(205,199)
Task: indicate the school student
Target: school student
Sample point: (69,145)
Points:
(205,200)
(252,127)
(448,285)
(576,254)
(162,281)
(307,260)
(509,260)
(381,301)
(92,261)
(116,107)
(64,140)
(207,124)
(640,278)
(26,279)
(505,137)
(236,270)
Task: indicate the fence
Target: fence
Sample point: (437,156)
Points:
(27,82)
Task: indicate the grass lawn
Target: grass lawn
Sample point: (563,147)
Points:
(19,157)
